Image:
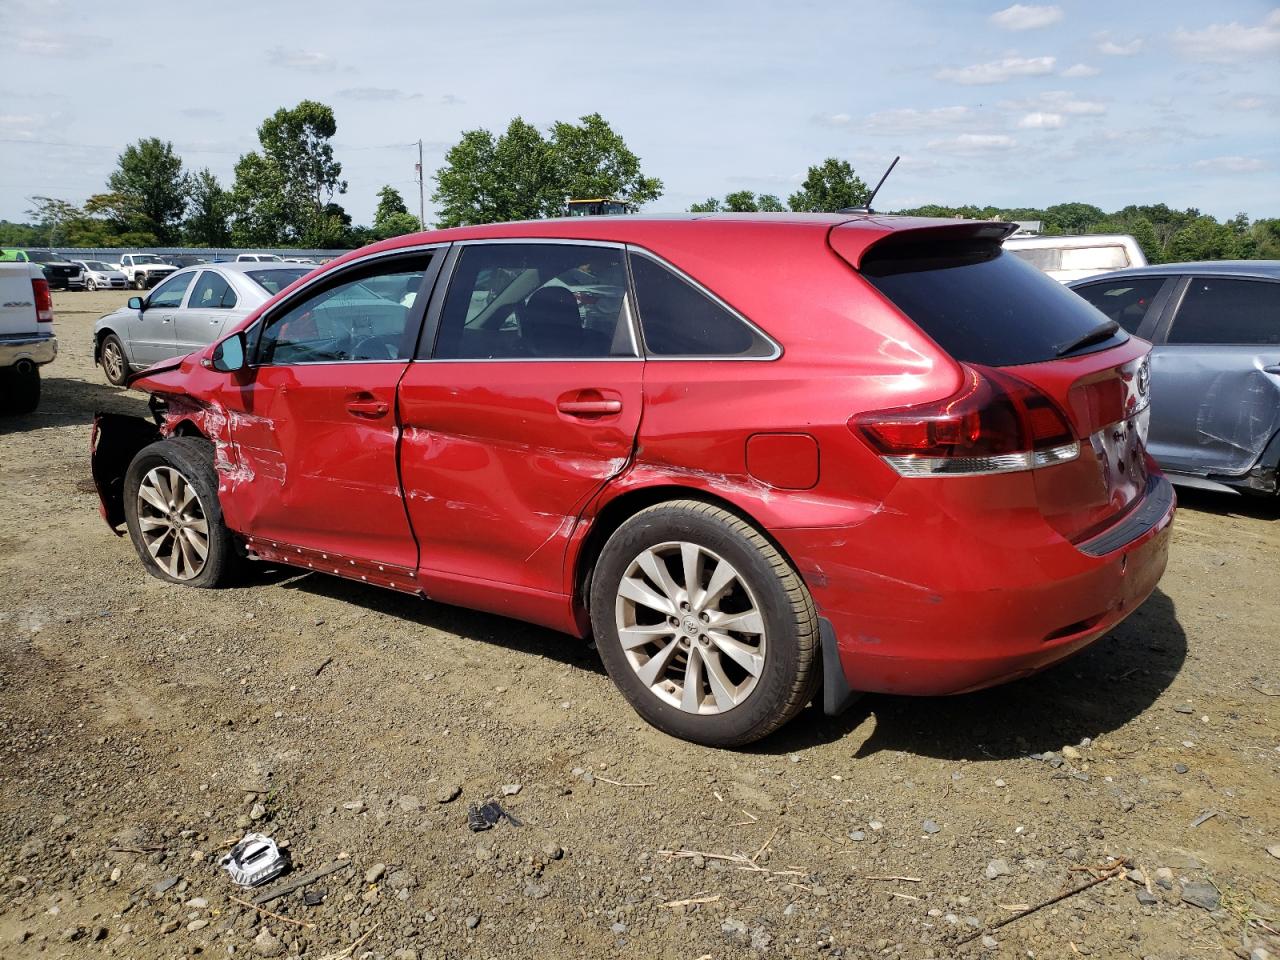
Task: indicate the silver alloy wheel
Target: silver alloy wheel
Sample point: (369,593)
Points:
(113,361)
(690,628)
(172,523)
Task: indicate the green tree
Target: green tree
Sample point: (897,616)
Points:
(284,194)
(392,218)
(1074,217)
(1203,239)
(149,176)
(1266,239)
(208,222)
(709,205)
(830,186)
(522,175)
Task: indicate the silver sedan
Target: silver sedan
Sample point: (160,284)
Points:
(187,311)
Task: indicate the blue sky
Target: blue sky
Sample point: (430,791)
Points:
(1029,104)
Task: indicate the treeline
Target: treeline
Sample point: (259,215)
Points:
(1165,235)
(285,194)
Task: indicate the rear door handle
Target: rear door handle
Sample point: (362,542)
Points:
(589,408)
(367,407)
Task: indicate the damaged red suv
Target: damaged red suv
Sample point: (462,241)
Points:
(764,459)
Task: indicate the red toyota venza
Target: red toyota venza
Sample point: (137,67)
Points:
(764,459)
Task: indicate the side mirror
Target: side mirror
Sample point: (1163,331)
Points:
(135,303)
(228,356)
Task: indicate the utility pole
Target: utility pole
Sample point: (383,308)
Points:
(422,207)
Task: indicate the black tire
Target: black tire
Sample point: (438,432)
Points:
(192,458)
(19,390)
(90,286)
(112,342)
(790,674)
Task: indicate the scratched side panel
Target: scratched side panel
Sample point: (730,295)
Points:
(1213,408)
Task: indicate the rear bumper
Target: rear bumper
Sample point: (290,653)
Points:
(37,348)
(938,610)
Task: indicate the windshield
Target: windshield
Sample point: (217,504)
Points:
(273,281)
(98,265)
(46,256)
(146,258)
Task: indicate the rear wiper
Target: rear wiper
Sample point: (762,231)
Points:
(1103,331)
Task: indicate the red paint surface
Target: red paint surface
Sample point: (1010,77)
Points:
(484,479)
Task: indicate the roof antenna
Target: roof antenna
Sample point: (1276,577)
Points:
(866,207)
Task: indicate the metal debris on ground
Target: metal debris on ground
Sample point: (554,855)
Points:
(486,816)
(255,860)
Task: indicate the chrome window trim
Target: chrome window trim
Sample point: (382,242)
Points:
(633,319)
(660,358)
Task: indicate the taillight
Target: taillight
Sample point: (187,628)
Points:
(995,423)
(44,300)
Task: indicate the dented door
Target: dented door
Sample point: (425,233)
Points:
(1215,403)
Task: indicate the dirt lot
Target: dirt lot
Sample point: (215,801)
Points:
(143,727)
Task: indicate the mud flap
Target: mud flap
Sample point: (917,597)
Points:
(836,695)
(116,440)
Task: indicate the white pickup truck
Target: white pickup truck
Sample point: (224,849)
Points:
(26,334)
(144,270)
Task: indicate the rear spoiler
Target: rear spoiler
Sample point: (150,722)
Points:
(854,239)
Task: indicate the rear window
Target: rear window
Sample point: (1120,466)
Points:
(273,281)
(982,305)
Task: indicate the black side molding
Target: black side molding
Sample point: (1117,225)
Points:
(1156,501)
(836,695)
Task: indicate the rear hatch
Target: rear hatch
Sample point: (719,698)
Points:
(1028,338)
(18,298)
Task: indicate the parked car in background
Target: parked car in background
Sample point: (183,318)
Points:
(1067,258)
(257,258)
(144,270)
(764,460)
(26,334)
(186,259)
(187,311)
(1215,365)
(100,275)
(62,274)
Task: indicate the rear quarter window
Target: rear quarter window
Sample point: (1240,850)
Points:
(1125,301)
(982,305)
(681,320)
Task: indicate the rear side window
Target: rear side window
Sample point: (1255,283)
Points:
(212,292)
(680,320)
(1217,310)
(536,301)
(1124,301)
(982,305)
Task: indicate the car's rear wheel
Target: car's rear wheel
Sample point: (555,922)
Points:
(704,626)
(175,521)
(19,389)
(111,355)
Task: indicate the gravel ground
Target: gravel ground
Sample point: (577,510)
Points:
(144,727)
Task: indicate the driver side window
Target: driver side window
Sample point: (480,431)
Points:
(365,318)
(169,294)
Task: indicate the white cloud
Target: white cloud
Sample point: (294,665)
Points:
(46,43)
(1042,121)
(908,119)
(377,93)
(1227,42)
(1023,16)
(1266,102)
(1114,49)
(1057,101)
(1231,164)
(997,71)
(832,119)
(294,59)
(973,143)
(19,126)
(1081,70)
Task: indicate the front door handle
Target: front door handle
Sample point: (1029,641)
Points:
(367,406)
(1274,368)
(589,408)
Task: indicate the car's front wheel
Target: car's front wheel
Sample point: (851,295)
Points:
(90,285)
(705,627)
(175,521)
(111,355)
